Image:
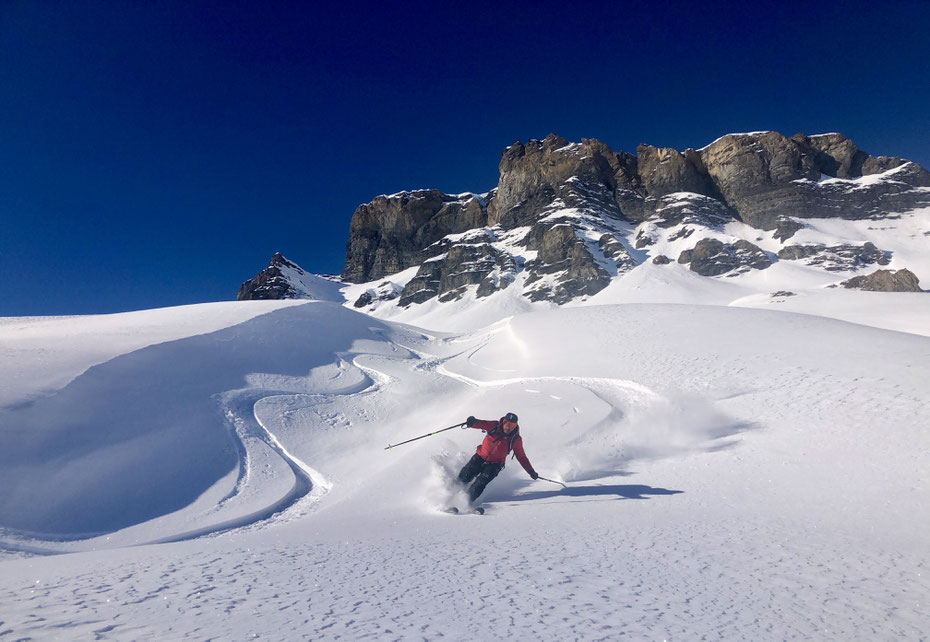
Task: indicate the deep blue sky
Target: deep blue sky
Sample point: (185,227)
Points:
(158,153)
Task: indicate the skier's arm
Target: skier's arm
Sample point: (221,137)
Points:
(521,457)
(483,424)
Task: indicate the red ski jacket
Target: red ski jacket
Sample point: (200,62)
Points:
(496,445)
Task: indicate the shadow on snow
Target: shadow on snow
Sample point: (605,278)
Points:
(614,491)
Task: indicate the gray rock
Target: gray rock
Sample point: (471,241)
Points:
(386,291)
(561,251)
(664,171)
(270,283)
(755,174)
(750,255)
(837,156)
(885,281)
(765,177)
(834,154)
(392,233)
(424,285)
(615,251)
(533,175)
(365,298)
(785,228)
(448,276)
(677,208)
(472,265)
(644,239)
(711,257)
(661,260)
(682,233)
(562,192)
(836,258)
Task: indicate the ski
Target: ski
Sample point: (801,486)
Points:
(453,510)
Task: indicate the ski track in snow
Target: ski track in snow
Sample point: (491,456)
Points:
(249,432)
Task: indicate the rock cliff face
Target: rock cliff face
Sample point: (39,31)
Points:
(765,176)
(534,175)
(551,197)
(448,275)
(565,218)
(391,233)
(559,193)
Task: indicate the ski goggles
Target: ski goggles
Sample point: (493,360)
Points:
(509,425)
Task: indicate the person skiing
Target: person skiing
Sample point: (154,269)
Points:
(489,458)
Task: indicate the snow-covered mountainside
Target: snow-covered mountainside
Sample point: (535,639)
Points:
(730,427)
(730,473)
(756,217)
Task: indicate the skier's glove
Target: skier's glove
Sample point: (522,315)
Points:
(470,422)
(534,475)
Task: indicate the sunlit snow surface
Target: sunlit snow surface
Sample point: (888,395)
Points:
(732,473)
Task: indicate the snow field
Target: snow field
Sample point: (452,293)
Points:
(733,473)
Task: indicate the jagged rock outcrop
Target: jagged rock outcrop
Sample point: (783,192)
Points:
(837,156)
(786,227)
(534,175)
(616,251)
(543,185)
(272,282)
(755,173)
(386,291)
(448,275)
(711,257)
(563,253)
(885,281)
(678,208)
(391,233)
(765,176)
(836,258)
(663,170)
(559,219)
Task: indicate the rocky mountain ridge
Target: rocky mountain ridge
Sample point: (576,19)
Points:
(568,218)
(283,279)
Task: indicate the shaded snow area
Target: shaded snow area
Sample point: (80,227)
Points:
(731,473)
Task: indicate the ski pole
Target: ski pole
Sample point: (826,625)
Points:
(429,434)
(553,481)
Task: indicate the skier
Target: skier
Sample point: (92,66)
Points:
(502,437)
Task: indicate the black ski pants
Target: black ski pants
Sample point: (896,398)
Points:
(481,471)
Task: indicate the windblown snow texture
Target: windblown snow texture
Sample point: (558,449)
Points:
(731,473)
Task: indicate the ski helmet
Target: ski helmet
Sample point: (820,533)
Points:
(510,417)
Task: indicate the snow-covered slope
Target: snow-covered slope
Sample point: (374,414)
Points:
(905,239)
(731,473)
(42,354)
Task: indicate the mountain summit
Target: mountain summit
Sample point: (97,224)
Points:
(568,219)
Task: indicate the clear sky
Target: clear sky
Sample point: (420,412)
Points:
(157,153)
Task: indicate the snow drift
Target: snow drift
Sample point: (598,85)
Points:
(731,472)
